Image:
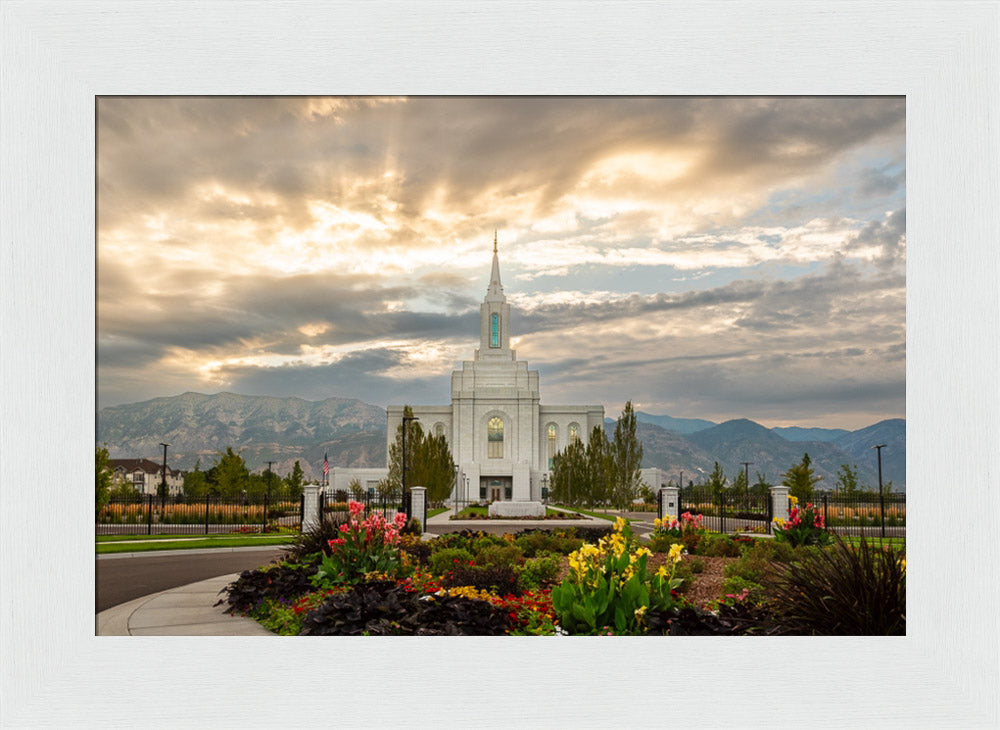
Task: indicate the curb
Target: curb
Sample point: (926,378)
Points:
(192,551)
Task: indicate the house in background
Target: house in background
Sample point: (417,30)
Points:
(144,475)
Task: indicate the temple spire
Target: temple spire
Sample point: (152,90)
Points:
(495,285)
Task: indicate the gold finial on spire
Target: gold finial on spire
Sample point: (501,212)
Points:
(494,240)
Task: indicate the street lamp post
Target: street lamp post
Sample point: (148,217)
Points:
(746,474)
(267,494)
(402,467)
(163,477)
(545,488)
(881,500)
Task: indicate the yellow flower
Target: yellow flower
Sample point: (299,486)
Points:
(779,522)
(642,551)
(657,523)
(675,552)
(620,524)
(639,613)
(662,572)
(793,500)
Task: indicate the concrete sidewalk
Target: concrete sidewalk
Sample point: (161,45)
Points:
(184,611)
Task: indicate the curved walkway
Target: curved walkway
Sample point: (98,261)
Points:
(183,611)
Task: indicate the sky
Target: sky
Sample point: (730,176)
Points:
(708,257)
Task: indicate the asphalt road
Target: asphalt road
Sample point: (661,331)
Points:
(124,579)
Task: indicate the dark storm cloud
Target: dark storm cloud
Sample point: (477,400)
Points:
(359,374)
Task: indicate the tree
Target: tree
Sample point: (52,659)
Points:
(761,487)
(355,488)
(428,461)
(716,483)
(739,488)
(626,450)
(295,481)
(195,484)
(433,468)
(102,486)
(569,468)
(801,479)
(230,476)
(847,480)
(599,466)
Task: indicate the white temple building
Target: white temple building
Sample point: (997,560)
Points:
(500,435)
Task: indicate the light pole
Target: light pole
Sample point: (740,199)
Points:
(881,499)
(545,488)
(267,494)
(163,477)
(746,473)
(402,466)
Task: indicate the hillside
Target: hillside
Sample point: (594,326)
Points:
(199,426)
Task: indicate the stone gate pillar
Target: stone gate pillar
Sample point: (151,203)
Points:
(310,507)
(779,502)
(668,502)
(418,506)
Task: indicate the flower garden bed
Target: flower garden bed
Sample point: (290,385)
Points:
(366,578)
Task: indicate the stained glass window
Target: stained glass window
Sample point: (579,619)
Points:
(494,330)
(494,437)
(574,432)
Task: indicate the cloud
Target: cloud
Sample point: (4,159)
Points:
(297,243)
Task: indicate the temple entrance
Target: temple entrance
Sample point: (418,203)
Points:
(496,489)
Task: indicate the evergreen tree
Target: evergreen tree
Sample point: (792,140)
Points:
(626,450)
(230,476)
(716,484)
(295,481)
(569,475)
(801,479)
(739,488)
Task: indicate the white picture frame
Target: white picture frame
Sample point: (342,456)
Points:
(57,57)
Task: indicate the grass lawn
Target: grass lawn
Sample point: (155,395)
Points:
(161,542)
(896,542)
(435,511)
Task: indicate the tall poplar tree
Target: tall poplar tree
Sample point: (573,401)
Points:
(428,461)
(626,450)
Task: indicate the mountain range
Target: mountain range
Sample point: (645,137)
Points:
(352,433)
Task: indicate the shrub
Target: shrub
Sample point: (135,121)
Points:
(313,542)
(496,578)
(718,546)
(280,581)
(535,542)
(487,541)
(500,555)
(441,561)
(539,572)
(844,590)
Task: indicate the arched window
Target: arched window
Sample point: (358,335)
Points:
(552,443)
(439,429)
(574,432)
(494,437)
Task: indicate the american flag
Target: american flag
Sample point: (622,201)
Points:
(326,466)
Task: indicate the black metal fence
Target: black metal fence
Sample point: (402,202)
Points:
(149,515)
(333,506)
(729,512)
(863,514)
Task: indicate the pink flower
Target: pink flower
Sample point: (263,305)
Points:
(355,508)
